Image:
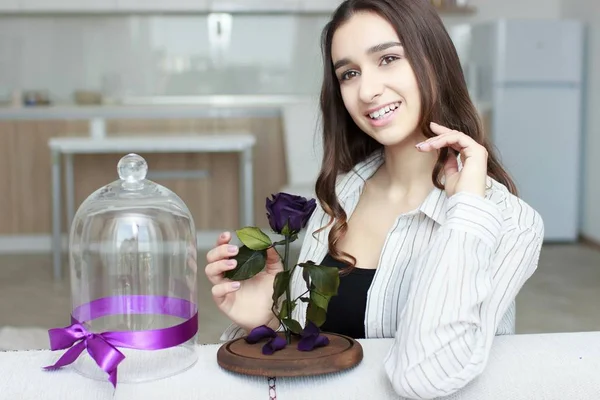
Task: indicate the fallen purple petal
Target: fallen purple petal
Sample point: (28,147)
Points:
(309,330)
(311,338)
(307,343)
(260,333)
(321,341)
(276,343)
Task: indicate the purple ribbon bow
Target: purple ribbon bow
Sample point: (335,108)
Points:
(99,346)
(102,347)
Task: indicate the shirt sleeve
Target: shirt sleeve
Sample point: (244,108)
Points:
(463,285)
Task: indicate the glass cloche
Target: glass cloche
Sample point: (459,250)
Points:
(133,268)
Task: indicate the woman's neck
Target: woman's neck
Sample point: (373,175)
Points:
(406,172)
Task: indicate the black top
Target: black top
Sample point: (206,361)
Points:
(346,311)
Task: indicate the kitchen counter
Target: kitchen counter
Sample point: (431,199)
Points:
(161,107)
(217,106)
(213,201)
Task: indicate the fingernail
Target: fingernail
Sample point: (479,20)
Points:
(224,235)
(235,285)
(232,248)
(418,145)
(230,263)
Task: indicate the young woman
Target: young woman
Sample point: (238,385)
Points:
(413,206)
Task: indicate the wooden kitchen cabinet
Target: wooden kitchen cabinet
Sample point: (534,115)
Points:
(25,165)
(25,169)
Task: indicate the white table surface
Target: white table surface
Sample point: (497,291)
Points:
(562,366)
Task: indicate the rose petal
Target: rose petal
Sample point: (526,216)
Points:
(291,210)
(307,343)
(310,330)
(312,342)
(321,341)
(259,333)
(296,219)
(309,208)
(276,343)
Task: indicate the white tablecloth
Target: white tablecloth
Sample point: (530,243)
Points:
(522,367)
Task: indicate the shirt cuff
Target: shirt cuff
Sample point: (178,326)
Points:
(474,214)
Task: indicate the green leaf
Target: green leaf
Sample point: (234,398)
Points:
(319,299)
(254,238)
(283,314)
(292,325)
(281,282)
(315,314)
(306,277)
(325,279)
(249,263)
(305,274)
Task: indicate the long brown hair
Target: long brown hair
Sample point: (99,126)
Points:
(444,99)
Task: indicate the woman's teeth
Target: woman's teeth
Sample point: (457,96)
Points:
(383,111)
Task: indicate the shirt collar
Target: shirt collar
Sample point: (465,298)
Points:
(434,205)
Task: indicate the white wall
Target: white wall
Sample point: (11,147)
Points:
(589,12)
(492,9)
(158,55)
(172,55)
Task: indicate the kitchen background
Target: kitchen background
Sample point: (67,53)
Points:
(255,65)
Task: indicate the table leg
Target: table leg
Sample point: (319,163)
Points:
(246,188)
(56,216)
(70,188)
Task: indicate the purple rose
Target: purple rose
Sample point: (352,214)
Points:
(288,214)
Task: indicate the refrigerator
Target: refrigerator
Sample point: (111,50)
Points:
(528,74)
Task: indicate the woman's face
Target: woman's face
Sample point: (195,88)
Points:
(377,83)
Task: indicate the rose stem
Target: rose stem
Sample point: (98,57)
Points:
(288,303)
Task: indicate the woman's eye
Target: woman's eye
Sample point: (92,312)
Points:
(349,75)
(388,59)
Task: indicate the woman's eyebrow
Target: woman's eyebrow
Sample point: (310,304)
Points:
(373,49)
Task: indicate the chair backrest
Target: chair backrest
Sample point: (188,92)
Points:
(303,143)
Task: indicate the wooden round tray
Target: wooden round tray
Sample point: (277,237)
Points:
(341,353)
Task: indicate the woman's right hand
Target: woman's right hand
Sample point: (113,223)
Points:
(247,303)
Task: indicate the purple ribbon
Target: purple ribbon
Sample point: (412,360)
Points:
(102,347)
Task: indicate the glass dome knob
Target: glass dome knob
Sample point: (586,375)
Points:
(132,170)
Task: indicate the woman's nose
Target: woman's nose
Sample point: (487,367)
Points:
(371,87)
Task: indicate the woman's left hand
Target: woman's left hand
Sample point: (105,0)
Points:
(473,175)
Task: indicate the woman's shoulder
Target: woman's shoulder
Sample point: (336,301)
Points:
(516,212)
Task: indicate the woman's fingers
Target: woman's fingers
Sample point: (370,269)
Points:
(440,129)
(453,139)
(214,271)
(221,290)
(223,238)
(222,251)
(458,141)
(218,259)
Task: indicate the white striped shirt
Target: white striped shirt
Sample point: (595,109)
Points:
(445,284)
